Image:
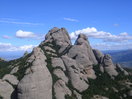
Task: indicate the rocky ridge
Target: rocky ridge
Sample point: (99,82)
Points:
(56,69)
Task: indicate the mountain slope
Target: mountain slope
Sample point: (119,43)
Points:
(56,69)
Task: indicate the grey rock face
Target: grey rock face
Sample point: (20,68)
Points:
(75,76)
(11,78)
(60,74)
(47,48)
(106,63)
(14,70)
(79,54)
(57,62)
(82,52)
(98,54)
(60,37)
(61,90)
(37,83)
(109,66)
(78,96)
(5,89)
(90,72)
(121,69)
(83,40)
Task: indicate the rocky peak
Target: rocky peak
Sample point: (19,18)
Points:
(81,39)
(56,69)
(59,37)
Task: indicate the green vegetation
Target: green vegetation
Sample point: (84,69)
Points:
(23,65)
(104,86)
(1,97)
(70,97)
(5,68)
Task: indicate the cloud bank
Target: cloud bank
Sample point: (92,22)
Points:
(105,36)
(9,47)
(25,34)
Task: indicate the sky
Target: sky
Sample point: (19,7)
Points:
(24,23)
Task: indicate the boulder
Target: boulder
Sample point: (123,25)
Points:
(6,89)
(98,54)
(37,83)
(83,40)
(82,52)
(78,96)
(14,70)
(60,74)
(90,72)
(47,48)
(121,69)
(61,90)
(57,62)
(109,66)
(11,78)
(60,38)
(76,77)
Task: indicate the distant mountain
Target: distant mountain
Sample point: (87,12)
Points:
(123,57)
(11,55)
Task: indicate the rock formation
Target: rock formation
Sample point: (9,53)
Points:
(56,69)
(37,82)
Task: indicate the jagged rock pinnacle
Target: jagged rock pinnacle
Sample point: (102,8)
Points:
(56,69)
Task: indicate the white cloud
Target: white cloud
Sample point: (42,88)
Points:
(25,34)
(105,36)
(13,21)
(70,19)
(9,47)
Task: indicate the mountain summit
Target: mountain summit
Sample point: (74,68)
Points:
(56,69)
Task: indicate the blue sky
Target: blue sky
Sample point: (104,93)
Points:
(107,23)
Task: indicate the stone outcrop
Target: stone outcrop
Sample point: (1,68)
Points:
(14,70)
(98,54)
(57,62)
(82,52)
(6,89)
(105,63)
(61,90)
(11,78)
(109,66)
(56,69)
(60,74)
(75,76)
(60,38)
(37,83)
(121,69)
